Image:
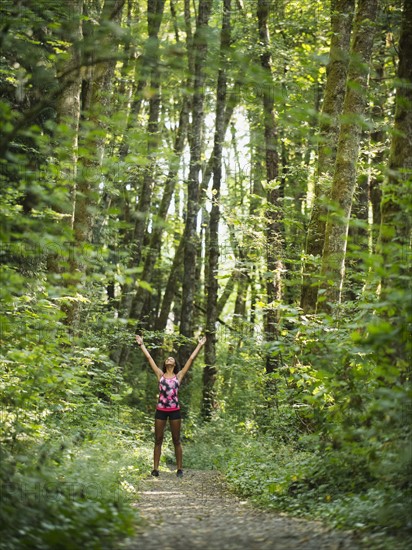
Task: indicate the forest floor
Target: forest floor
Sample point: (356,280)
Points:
(199,512)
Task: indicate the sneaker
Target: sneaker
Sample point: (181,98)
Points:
(155,473)
(179,473)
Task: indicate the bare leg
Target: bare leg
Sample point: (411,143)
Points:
(159,432)
(175,429)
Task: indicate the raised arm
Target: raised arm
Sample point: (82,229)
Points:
(192,357)
(158,372)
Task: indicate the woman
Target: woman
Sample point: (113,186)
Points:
(168,402)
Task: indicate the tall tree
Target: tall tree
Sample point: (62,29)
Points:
(96,87)
(158,230)
(396,221)
(175,275)
(69,76)
(341,27)
(274,236)
(200,40)
(344,179)
(68,108)
(155,9)
(209,371)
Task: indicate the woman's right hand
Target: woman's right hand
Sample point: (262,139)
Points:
(139,339)
(202,340)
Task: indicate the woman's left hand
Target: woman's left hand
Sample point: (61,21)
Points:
(202,341)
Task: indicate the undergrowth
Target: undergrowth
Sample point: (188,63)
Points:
(74,492)
(335,486)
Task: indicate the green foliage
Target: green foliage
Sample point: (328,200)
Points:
(341,409)
(61,494)
(327,434)
(331,486)
(62,411)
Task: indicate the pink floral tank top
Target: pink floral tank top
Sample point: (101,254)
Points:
(168,394)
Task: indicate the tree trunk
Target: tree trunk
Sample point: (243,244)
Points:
(154,18)
(344,180)
(242,280)
(256,200)
(96,85)
(379,136)
(68,104)
(395,232)
(358,239)
(190,234)
(169,187)
(175,272)
(227,291)
(363,237)
(172,287)
(232,101)
(341,26)
(68,111)
(209,372)
(144,67)
(274,237)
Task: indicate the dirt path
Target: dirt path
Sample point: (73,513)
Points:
(197,512)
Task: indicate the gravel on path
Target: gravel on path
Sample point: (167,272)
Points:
(198,512)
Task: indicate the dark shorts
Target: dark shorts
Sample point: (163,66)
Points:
(164,415)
